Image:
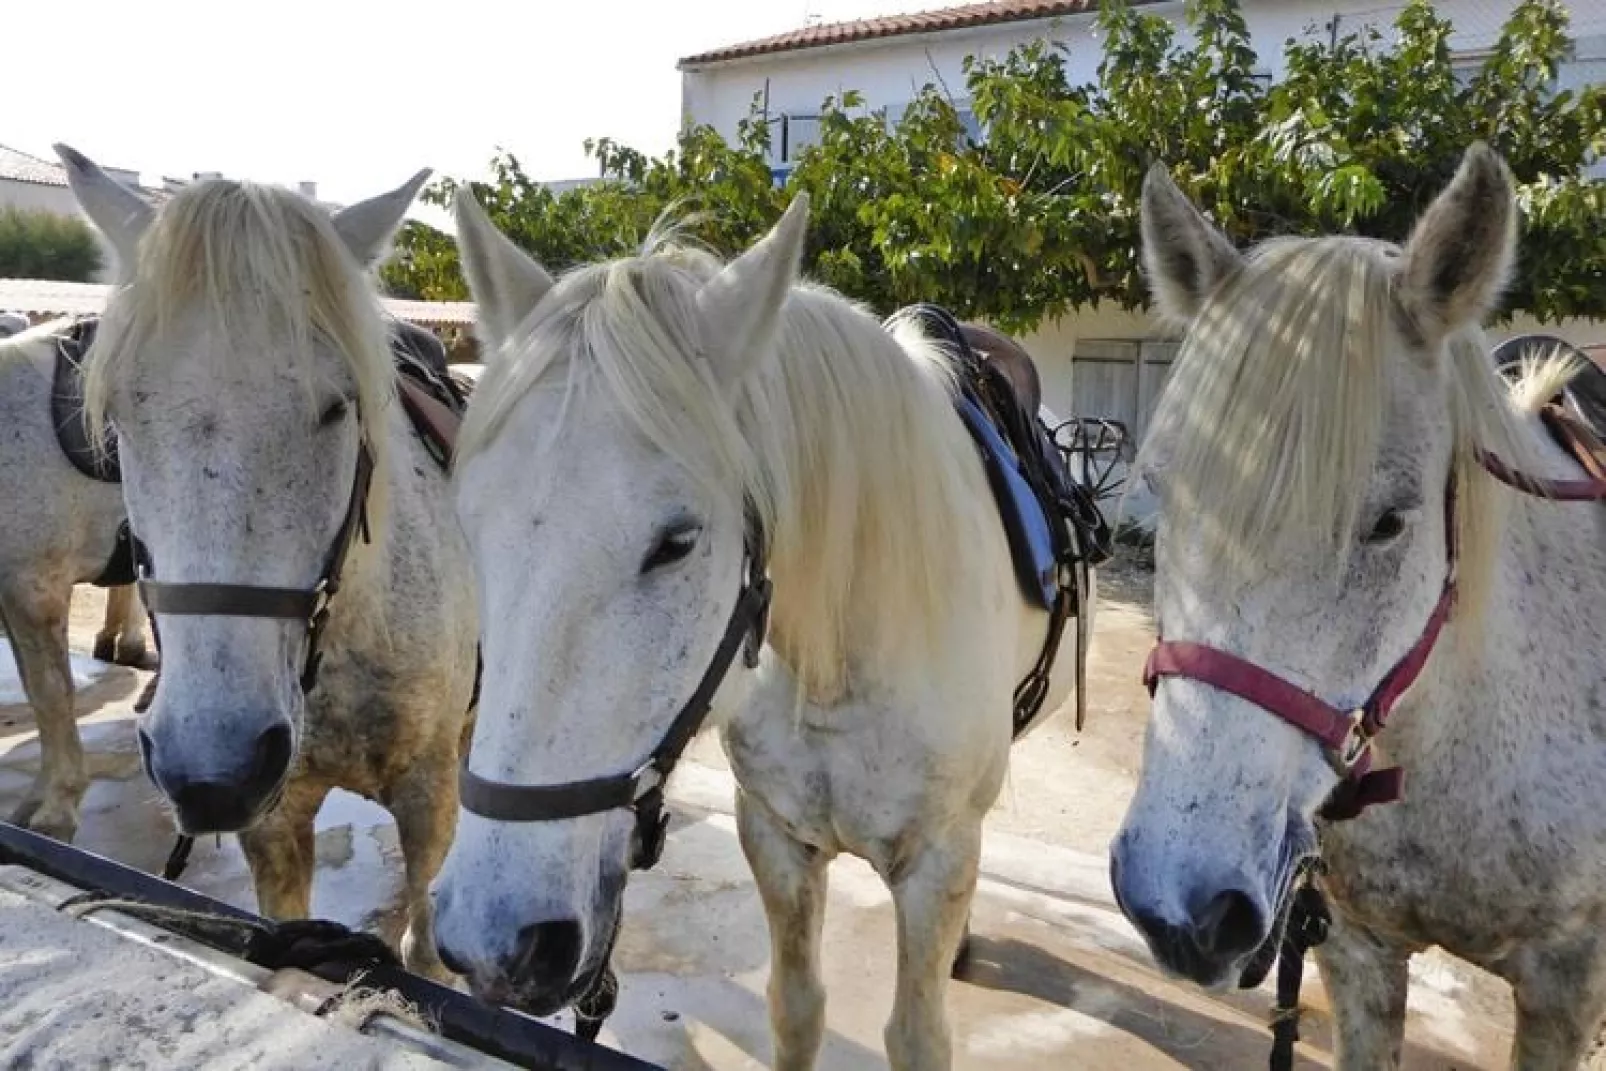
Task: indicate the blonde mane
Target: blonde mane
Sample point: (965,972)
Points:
(15,346)
(259,266)
(844,443)
(1272,422)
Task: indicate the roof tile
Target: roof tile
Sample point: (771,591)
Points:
(936,21)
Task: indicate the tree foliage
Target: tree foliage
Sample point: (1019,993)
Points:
(43,245)
(1039,216)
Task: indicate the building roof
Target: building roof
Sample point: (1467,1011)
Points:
(22,167)
(44,297)
(967,16)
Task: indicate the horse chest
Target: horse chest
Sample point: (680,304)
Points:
(853,790)
(1475,885)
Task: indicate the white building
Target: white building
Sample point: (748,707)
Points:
(1117,361)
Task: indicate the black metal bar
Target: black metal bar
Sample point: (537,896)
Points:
(494,1031)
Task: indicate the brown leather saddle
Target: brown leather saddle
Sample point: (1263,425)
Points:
(1010,358)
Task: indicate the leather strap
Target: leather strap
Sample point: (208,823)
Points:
(227,600)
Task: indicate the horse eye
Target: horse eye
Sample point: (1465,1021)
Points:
(1388,527)
(673,545)
(334,414)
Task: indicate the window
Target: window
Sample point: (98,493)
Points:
(798,132)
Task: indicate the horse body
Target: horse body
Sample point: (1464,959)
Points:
(248,371)
(58,528)
(635,421)
(1319,460)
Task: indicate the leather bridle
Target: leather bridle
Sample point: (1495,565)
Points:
(1346,735)
(309,605)
(641,791)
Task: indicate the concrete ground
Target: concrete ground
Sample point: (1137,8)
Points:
(1058,980)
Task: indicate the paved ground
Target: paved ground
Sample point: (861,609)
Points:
(1059,978)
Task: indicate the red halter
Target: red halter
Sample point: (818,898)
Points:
(1347,735)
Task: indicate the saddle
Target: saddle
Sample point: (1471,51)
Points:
(432,395)
(67,406)
(1576,417)
(1055,530)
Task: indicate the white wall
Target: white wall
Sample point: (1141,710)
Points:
(38,197)
(892,71)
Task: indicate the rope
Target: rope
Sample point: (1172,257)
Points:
(310,945)
(1308,921)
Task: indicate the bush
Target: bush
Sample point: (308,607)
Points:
(43,245)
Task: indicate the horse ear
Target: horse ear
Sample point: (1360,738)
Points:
(116,211)
(1461,252)
(741,306)
(1184,256)
(366,227)
(506,282)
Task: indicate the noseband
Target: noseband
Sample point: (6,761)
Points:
(642,790)
(310,606)
(1346,735)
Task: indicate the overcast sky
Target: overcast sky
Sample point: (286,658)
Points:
(358,94)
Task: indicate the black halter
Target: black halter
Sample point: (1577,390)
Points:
(310,605)
(642,790)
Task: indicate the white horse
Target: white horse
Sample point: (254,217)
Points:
(1324,460)
(58,528)
(316,633)
(648,430)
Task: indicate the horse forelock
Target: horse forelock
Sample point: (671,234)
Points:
(1273,419)
(819,440)
(259,268)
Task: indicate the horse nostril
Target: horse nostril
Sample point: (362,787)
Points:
(1230,925)
(271,759)
(449,961)
(547,950)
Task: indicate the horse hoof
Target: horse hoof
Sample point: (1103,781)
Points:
(34,817)
(587,1029)
(137,657)
(105,649)
(143,703)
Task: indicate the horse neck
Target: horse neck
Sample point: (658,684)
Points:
(1516,678)
(940,487)
(405,507)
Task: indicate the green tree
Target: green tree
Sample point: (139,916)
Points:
(43,245)
(1039,217)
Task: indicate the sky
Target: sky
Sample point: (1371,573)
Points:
(357,95)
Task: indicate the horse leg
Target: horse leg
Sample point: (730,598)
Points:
(1560,995)
(36,621)
(117,614)
(931,892)
(1366,980)
(281,850)
(134,644)
(791,879)
(424,803)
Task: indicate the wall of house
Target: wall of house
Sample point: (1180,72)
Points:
(891,72)
(38,197)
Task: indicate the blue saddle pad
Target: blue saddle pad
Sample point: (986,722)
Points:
(1031,541)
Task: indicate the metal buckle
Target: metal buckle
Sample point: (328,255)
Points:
(1356,742)
(647,778)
